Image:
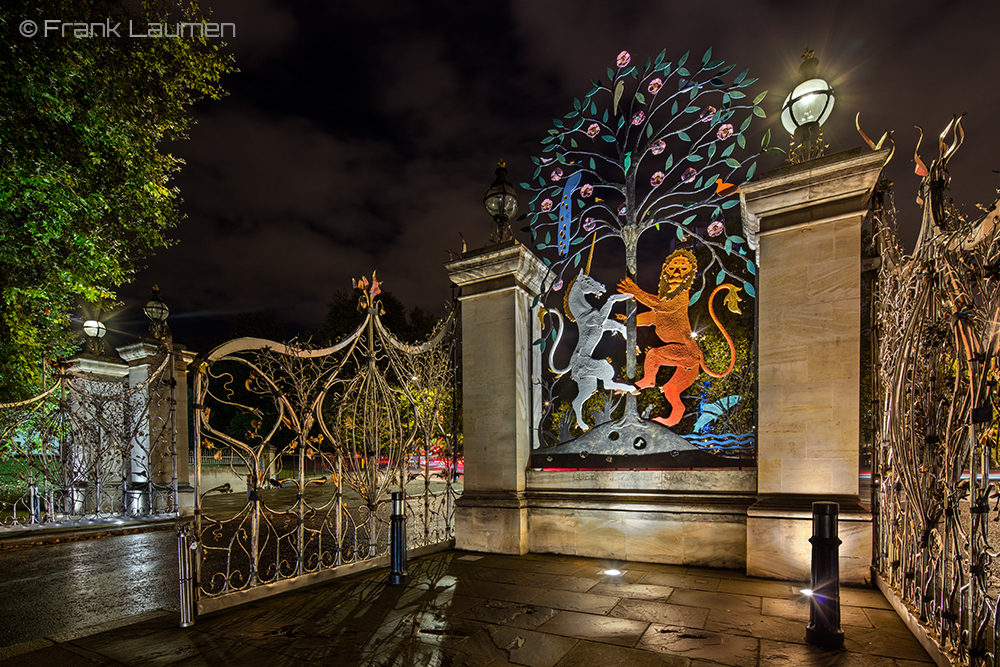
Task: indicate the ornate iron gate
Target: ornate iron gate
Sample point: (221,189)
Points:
(939,335)
(368,415)
(91,447)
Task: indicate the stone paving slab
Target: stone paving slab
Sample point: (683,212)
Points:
(488,610)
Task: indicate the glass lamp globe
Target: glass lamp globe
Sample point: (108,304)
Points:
(155,309)
(94,329)
(810,102)
(500,200)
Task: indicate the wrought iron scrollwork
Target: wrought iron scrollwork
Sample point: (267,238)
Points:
(319,438)
(938,335)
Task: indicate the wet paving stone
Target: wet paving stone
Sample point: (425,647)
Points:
(621,631)
(684,581)
(570,601)
(588,654)
(699,644)
(511,614)
(633,591)
(660,612)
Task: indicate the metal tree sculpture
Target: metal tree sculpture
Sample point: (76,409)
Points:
(650,148)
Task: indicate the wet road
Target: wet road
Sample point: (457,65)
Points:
(64,587)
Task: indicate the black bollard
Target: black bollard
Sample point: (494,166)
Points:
(824,603)
(397,541)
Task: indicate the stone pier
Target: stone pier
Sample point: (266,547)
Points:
(805,221)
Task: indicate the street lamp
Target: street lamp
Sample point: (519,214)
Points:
(501,204)
(95,331)
(805,109)
(157,313)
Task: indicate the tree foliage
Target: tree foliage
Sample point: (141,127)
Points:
(85,180)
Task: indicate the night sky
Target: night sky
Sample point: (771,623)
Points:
(362,135)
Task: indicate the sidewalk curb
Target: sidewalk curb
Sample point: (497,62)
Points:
(31,537)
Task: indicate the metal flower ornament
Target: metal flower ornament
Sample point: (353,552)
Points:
(658,147)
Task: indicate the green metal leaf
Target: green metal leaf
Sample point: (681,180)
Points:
(728,151)
(680,234)
(693,300)
(576,104)
(737,94)
(751,267)
(578,240)
(745,124)
(749,289)
(711,150)
(707,56)
(732,162)
(605,118)
(727,70)
(751,171)
(757,111)
(573,144)
(649,131)
(525,186)
(688,220)
(774,150)
(596,82)
(683,71)
(576,260)
(720,277)
(608,138)
(593,109)
(759,98)
(669,163)
(694,157)
(593,164)
(742,75)
(659,58)
(694,90)
(548,238)
(673,108)
(683,136)
(729,203)
(691,109)
(729,247)
(748,82)
(548,262)
(741,140)
(648,63)
(712,65)
(611,74)
(683,59)
(640,98)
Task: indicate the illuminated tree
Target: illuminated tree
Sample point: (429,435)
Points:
(85,187)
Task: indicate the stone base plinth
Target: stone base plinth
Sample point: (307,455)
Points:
(492,524)
(778,532)
(645,527)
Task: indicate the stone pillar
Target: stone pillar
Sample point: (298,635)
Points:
(153,446)
(805,222)
(498,286)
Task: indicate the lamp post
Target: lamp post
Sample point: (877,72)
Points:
(95,331)
(805,109)
(157,312)
(501,203)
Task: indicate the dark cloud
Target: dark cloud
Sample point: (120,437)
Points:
(362,135)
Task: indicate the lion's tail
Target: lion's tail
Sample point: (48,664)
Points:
(731,301)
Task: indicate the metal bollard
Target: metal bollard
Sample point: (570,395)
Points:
(824,602)
(185,567)
(397,541)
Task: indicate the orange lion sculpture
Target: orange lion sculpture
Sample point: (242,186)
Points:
(669,316)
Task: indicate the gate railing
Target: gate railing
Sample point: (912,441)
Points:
(938,319)
(90,448)
(373,414)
